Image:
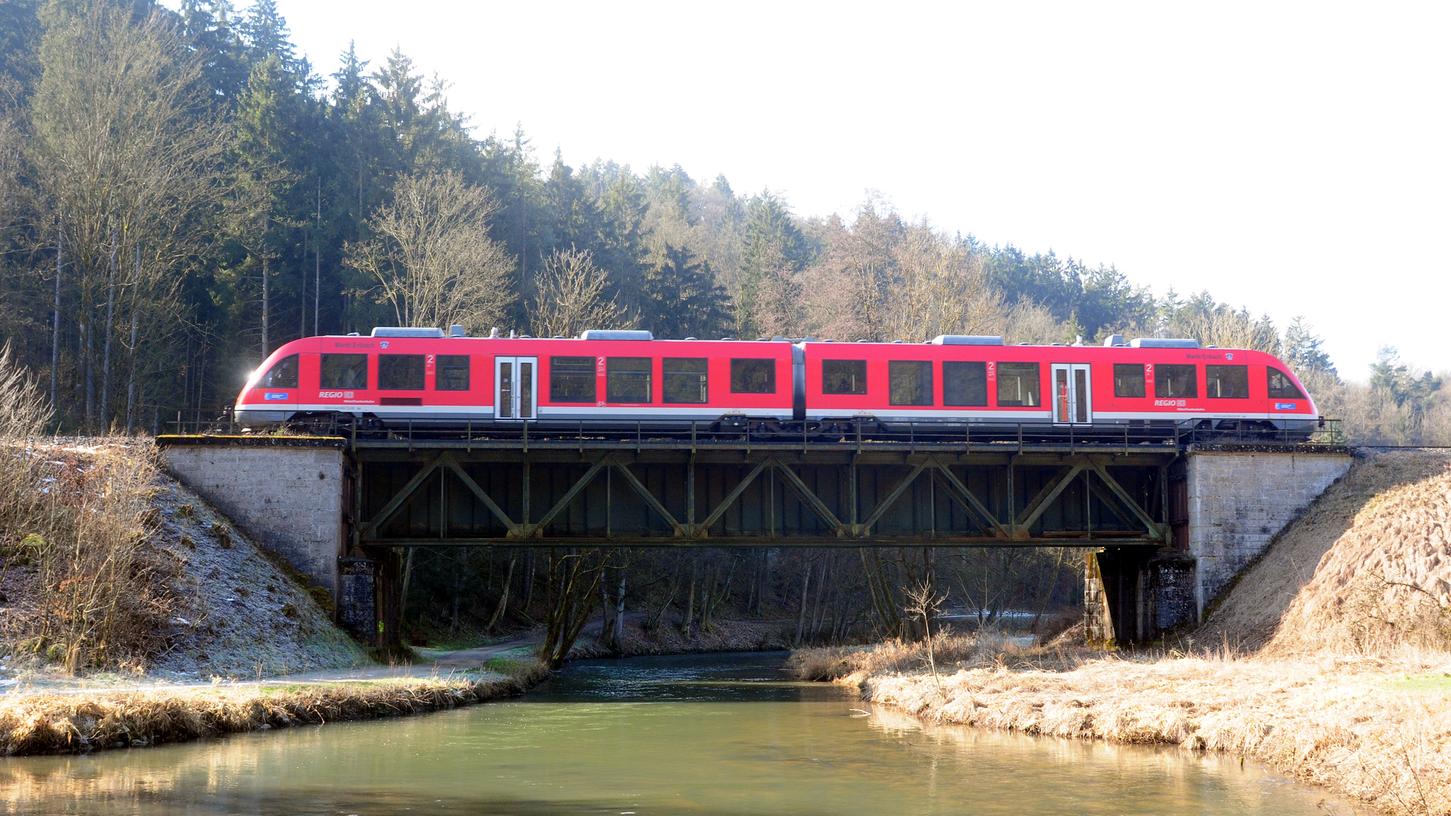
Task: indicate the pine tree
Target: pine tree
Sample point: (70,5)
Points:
(1303,349)
(768,301)
(262,179)
(680,298)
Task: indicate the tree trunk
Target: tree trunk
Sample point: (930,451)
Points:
(1048,593)
(503,598)
(55,316)
(458,587)
(201,378)
(266,346)
(407,573)
(302,296)
(90,378)
(805,593)
(619,635)
(131,377)
(109,329)
(685,625)
(654,620)
(317,263)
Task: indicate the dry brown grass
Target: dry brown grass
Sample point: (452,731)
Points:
(1366,570)
(854,664)
(98,720)
(1350,688)
(76,522)
(1360,726)
(1385,583)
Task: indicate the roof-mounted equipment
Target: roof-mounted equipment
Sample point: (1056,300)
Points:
(967,340)
(406,331)
(615,334)
(1163,343)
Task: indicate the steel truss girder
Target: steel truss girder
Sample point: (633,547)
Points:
(1017,528)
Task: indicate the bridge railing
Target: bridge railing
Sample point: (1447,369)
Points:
(1329,434)
(861,433)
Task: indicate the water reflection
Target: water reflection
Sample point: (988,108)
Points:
(657,735)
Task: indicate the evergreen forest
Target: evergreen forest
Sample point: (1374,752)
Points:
(182,191)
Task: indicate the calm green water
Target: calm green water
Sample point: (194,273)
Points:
(695,735)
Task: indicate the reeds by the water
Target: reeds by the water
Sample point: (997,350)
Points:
(72,723)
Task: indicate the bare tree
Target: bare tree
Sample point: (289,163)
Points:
(432,257)
(924,604)
(125,146)
(570,297)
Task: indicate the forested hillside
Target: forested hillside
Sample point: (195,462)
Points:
(182,191)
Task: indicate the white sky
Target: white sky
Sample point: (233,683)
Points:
(1291,157)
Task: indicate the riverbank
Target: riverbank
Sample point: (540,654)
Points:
(1377,729)
(1328,661)
(203,633)
(98,719)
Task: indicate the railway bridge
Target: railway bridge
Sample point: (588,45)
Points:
(1164,525)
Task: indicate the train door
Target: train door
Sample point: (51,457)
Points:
(1072,394)
(516,389)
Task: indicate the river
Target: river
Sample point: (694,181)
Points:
(721,734)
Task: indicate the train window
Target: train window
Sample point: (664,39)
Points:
(684,379)
(572,379)
(400,372)
(1282,387)
(1175,381)
(909,382)
(344,371)
(282,375)
(1128,380)
(1226,381)
(1020,384)
(627,379)
(452,373)
(964,383)
(843,376)
(753,376)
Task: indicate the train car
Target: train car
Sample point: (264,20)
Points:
(400,376)
(979,381)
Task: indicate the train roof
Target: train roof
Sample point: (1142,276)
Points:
(1114,341)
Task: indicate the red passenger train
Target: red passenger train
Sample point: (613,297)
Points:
(628,378)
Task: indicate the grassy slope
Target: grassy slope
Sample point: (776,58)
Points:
(231,611)
(1342,576)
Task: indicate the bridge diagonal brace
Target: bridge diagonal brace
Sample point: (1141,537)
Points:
(730,498)
(890,499)
(809,497)
(1155,529)
(970,501)
(1045,498)
(650,499)
(484,498)
(574,490)
(394,504)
